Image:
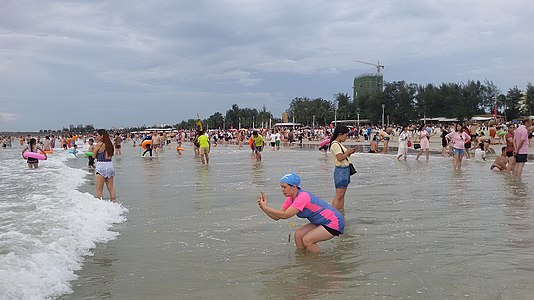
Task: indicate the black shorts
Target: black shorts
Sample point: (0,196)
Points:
(521,158)
(273,144)
(332,231)
(91,161)
(467,145)
(510,154)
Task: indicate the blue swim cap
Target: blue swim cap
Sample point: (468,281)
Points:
(291,179)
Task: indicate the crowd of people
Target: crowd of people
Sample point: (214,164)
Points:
(326,219)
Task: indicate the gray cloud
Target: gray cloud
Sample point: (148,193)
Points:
(108,62)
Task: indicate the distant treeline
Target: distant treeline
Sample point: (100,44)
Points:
(400,102)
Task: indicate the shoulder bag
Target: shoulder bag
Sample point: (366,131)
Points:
(351,166)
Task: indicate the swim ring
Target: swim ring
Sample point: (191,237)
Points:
(88,154)
(35,155)
(145,143)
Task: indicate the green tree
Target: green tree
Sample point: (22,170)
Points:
(343,106)
(399,101)
(215,121)
(513,97)
(528,108)
(372,104)
(264,116)
(490,91)
(233,116)
(304,109)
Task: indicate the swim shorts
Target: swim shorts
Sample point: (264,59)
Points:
(331,231)
(521,158)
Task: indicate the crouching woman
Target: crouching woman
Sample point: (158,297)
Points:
(325,221)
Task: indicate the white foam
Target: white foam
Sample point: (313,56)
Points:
(47,226)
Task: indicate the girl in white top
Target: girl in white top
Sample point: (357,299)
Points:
(273,140)
(404,137)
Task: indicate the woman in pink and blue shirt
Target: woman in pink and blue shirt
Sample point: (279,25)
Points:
(325,221)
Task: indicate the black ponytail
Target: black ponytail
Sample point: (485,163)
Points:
(339,130)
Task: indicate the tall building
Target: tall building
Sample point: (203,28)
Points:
(285,118)
(367,84)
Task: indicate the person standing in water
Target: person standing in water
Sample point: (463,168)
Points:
(384,136)
(118,141)
(424,142)
(33,163)
(257,144)
(325,221)
(91,163)
(105,173)
(204,147)
(148,147)
(458,138)
(340,157)
(404,137)
(521,144)
(509,137)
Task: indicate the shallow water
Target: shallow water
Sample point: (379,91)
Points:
(46,225)
(414,230)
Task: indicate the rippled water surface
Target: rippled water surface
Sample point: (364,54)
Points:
(414,230)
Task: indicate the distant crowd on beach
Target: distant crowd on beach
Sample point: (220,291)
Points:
(481,137)
(326,220)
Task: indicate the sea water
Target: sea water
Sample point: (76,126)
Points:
(47,226)
(414,230)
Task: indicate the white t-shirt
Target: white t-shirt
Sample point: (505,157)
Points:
(273,137)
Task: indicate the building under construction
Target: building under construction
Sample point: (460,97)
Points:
(367,84)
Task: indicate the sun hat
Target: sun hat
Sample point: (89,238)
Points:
(291,179)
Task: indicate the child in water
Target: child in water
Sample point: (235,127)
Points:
(91,163)
(179,148)
(325,221)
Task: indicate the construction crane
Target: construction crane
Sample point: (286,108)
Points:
(378,66)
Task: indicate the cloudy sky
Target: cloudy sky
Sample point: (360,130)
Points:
(129,63)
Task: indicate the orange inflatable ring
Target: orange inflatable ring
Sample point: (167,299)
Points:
(179,148)
(47,151)
(145,143)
